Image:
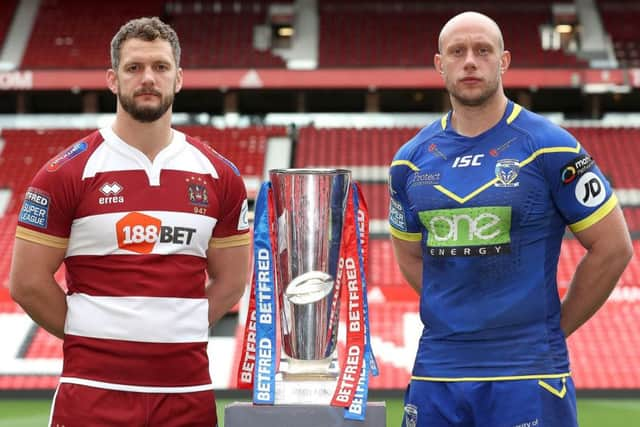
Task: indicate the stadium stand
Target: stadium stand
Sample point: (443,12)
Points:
(228,41)
(616,151)
(620,20)
(400,34)
(75,34)
(6,15)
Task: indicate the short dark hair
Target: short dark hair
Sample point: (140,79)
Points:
(147,29)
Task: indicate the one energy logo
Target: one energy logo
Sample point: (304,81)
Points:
(477,231)
(139,233)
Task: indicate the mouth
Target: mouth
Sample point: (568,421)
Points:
(147,93)
(470,80)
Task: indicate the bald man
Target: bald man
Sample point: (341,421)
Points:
(479,204)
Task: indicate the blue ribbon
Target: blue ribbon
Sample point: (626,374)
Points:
(264,375)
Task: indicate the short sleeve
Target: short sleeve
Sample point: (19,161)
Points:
(403,222)
(232,228)
(48,209)
(581,192)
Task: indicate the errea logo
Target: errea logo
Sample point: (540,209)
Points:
(111,190)
(137,232)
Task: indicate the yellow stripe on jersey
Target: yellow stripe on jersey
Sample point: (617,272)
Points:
(547,150)
(41,238)
(532,157)
(405,163)
(471,195)
(231,241)
(514,113)
(443,121)
(596,216)
(403,235)
(505,378)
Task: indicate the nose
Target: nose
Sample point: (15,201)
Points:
(470,59)
(148,76)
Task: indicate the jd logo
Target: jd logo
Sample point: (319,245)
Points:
(468,231)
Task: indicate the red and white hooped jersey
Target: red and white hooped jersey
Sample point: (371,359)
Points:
(136,235)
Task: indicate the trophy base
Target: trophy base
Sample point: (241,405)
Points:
(243,414)
(310,382)
(311,390)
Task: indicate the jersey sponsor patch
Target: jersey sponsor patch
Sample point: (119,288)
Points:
(396,216)
(243,221)
(576,168)
(590,190)
(139,233)
(463,232)
(64,157)
(35,208)
(426,178)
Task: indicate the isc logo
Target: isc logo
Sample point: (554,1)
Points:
(139,233)
(464,161)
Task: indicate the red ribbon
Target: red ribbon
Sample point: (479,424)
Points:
(350,281)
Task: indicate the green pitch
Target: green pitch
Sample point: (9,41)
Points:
(591,412)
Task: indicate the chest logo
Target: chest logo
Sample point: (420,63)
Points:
(465,161)
(495,151)
(507,171)
(111,192)
(433,149)
(197,192)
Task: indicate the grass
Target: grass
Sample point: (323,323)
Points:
(591,412)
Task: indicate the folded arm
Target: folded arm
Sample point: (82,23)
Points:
(33,287)
(228,275)
(609,250)
(409,258)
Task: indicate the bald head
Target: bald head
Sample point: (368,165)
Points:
(466,21)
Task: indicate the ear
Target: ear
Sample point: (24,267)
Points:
(178,80)
(437,63)
(112,81)
(505,61)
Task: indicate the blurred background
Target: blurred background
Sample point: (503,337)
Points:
(325,83)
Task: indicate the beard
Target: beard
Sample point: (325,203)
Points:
(145,114)
(477,99)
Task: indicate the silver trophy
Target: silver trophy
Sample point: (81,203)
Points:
(309,211)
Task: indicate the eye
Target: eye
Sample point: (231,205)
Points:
(457,51)
(162,67)
(131,68)
(484,51)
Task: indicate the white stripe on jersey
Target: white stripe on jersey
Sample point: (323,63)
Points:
(136,388)
(96,234)
(116,155)
(138,319)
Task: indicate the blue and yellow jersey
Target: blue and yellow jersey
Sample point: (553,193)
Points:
(490,212)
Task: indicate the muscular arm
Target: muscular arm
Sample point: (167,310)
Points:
(228,270)
(609,249)
(33,287)
(409,258)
